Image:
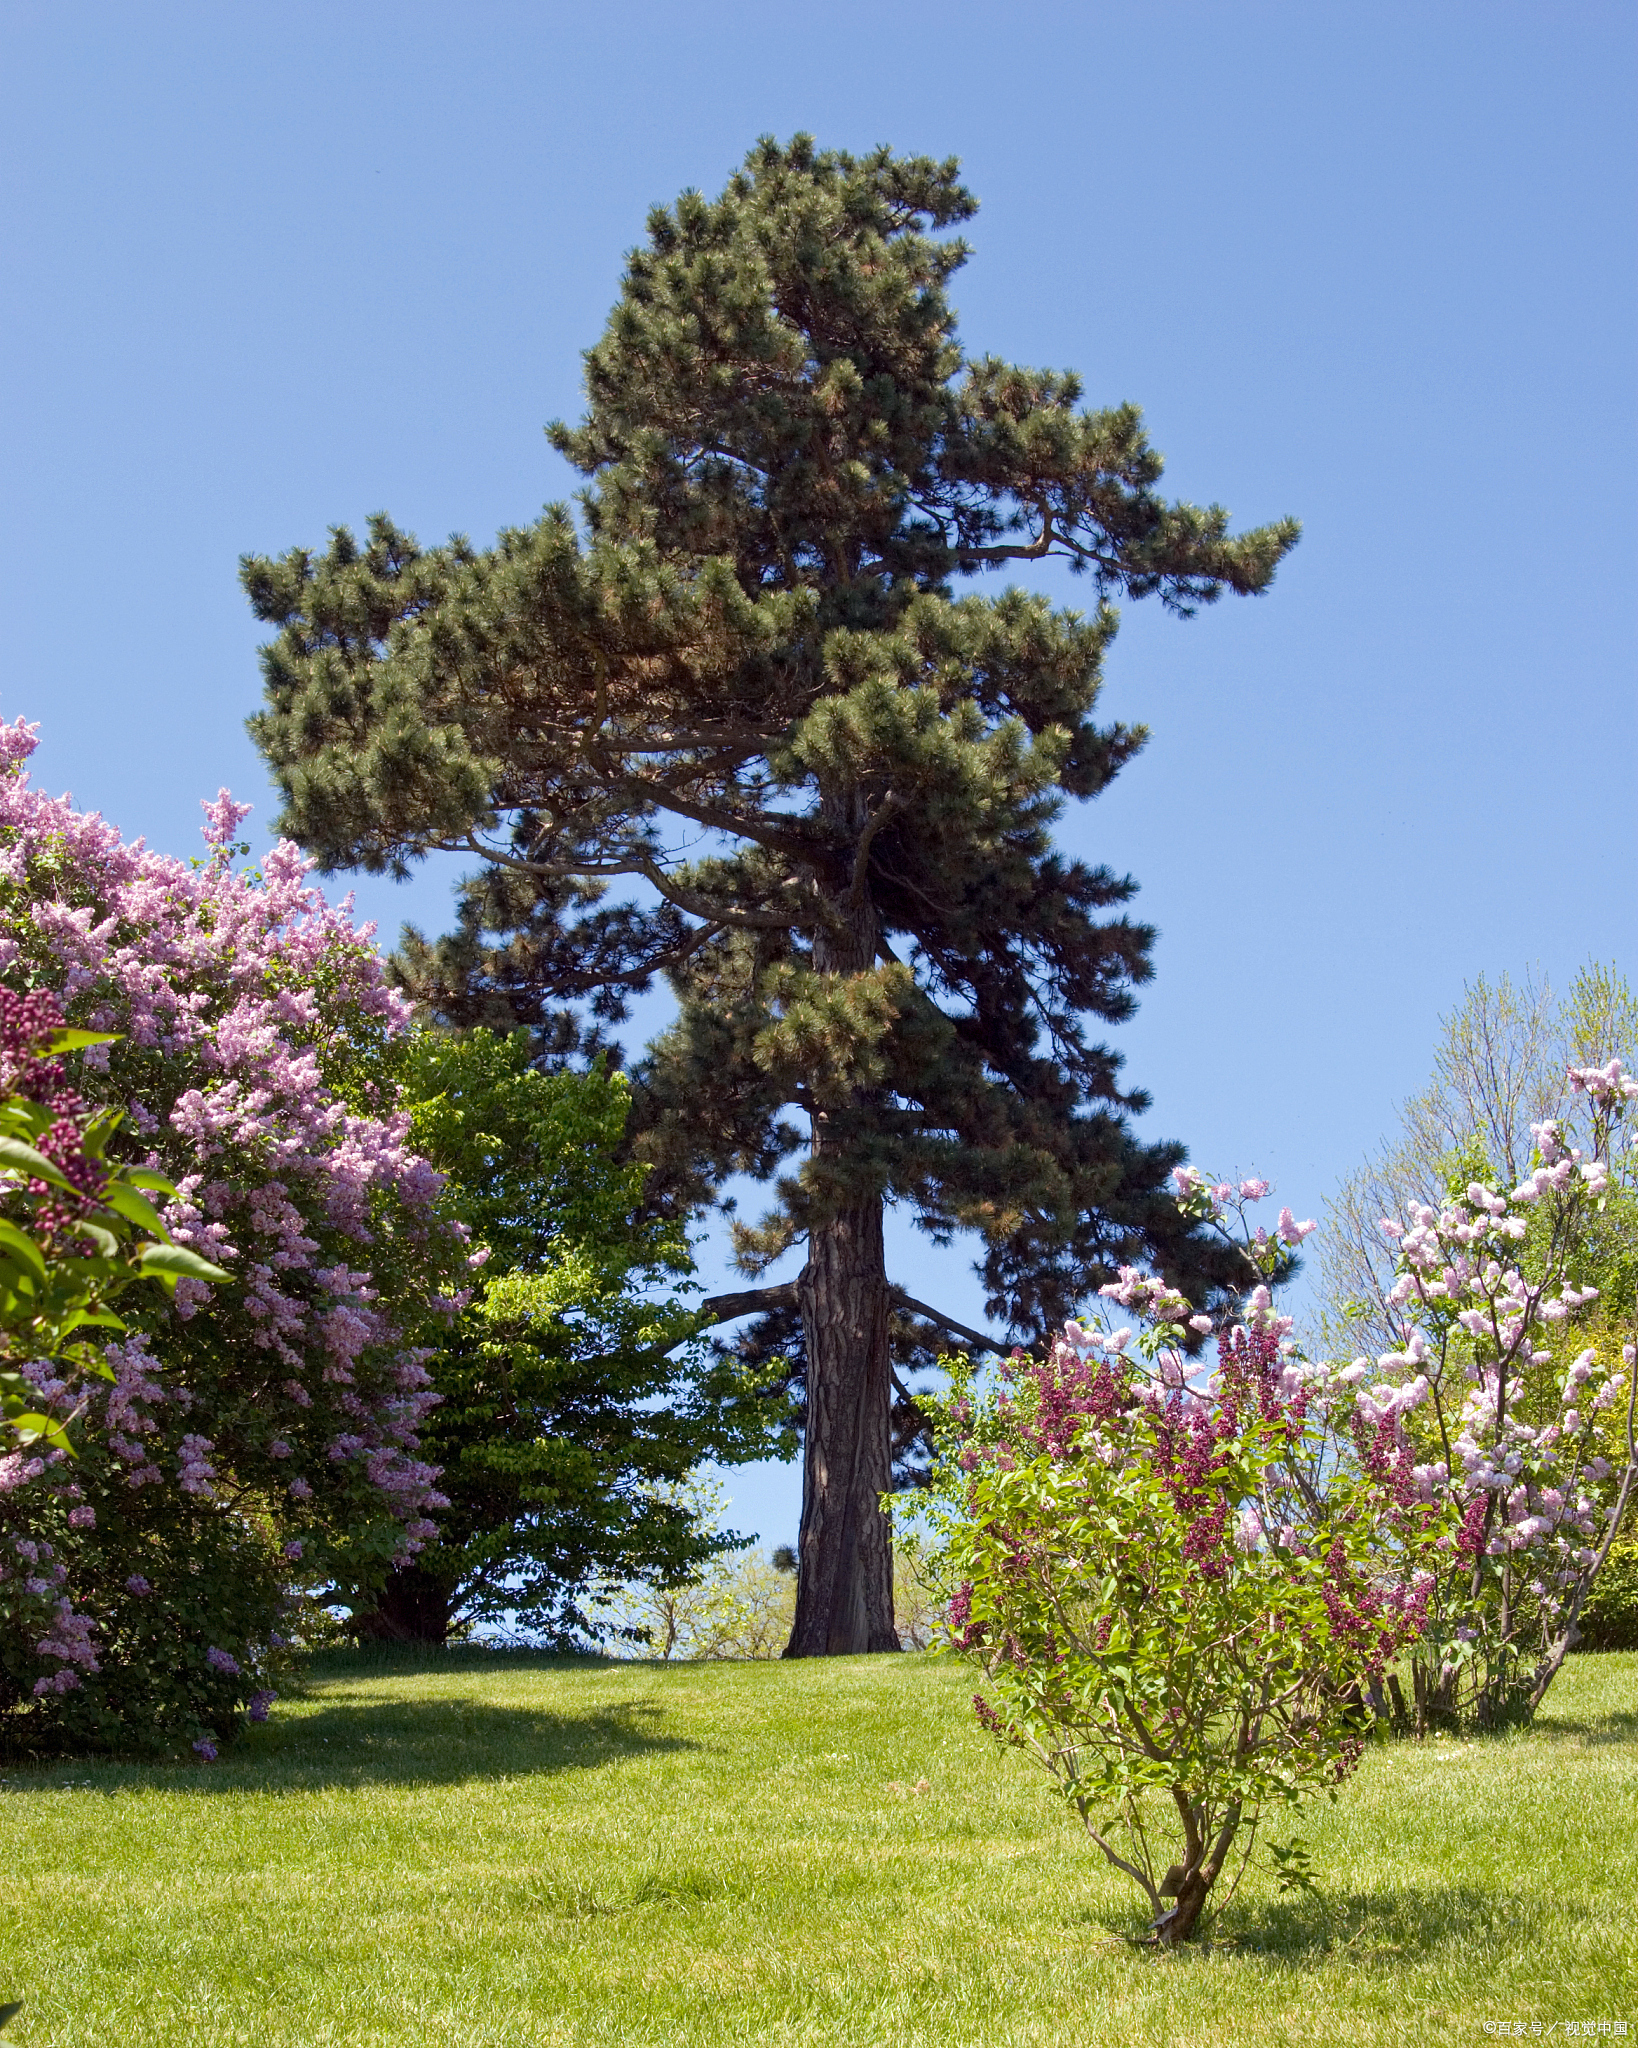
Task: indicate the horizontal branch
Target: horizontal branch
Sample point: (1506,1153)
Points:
(734,823)
(944,1322)
(725,1308)
(642,866)
(745,741)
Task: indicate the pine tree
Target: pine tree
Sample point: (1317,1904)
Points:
(745,681)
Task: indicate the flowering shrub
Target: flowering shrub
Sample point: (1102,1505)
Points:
(60,1277)
(1533,1455)
(250,1437)
(1177,1597)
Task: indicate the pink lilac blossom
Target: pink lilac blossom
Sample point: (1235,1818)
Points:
(1520,1489)
(211,966)
(241,1004)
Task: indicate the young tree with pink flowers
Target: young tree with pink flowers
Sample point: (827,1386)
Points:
(1531,1449)
(251,1436)
(1179,1595)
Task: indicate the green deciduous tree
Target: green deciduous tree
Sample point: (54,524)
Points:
(745,683)
(564,1415)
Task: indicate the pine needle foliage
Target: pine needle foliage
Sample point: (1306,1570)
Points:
(745,683)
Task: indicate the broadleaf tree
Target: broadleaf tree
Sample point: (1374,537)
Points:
(574,1403)
(745,682)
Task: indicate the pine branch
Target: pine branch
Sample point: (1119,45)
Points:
(887,808)
(721,915)
(944,1322)
(725,1308)
(735,823)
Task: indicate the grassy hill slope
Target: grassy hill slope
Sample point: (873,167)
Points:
(493,1848)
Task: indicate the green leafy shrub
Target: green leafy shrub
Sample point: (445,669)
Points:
(1609,1620)
(574,1392)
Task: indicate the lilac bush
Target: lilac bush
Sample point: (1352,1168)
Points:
(61,1275)
(1180,1598)
(1531,1451)
(253,1437)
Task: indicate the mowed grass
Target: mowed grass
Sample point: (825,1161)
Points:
(494,1848)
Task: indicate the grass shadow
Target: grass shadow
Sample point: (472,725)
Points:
(1614,1726)
(449,1741)
(1408,1923)
(342,1662)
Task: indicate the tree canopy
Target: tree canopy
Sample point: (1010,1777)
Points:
(743,682)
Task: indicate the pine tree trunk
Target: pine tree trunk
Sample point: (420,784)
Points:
(844,1588)
(844,1584)
(412,1607)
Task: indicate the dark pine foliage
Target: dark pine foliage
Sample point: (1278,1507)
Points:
(746,684)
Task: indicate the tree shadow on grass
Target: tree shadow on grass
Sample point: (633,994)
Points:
(440,1741)
(1408,1923)
(1587,1728)
(363,1661)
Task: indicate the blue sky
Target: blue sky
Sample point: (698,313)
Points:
(1375,267)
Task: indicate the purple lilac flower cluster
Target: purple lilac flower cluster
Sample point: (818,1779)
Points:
(250,1022)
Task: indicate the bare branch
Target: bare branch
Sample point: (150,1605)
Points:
(725,1308)
(1140,1877)
(889,804)
(944,1322)
(649,870)
(733,822)
(1032,551)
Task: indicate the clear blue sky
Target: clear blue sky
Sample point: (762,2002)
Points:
(271,269)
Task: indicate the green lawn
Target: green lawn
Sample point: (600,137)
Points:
(494,1848)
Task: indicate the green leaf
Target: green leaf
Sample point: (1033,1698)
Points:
(176,1262)
(103,1238)
(22,1248)
(135,1208)
(95,1318)
(141,1177)
(94,1138)
(24,1119)
(24,1159)
(76,1041)
(36,1429)
(87,1360)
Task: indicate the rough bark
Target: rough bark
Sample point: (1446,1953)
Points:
(844,1588)
(844,1584)
(412,1607)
